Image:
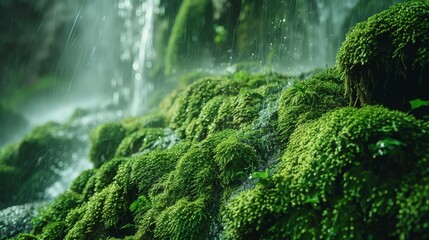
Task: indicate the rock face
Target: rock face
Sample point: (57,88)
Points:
(384,60)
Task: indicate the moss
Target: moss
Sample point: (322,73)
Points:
(191,31)
(105,140)
(57,211)
(25,236)
(235,160)
(102,177)
(211,105)
(309,100)
(53,231)
(339,178)
(384,60)
(184,220)
(139,141)
(78,185)
(33,162)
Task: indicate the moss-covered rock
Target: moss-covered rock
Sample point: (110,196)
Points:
(344,175)
(385,60)
(105,140)
(30,165)
(211,105)
(308,100)
(139,141)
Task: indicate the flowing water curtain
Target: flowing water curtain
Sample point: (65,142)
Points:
(137,46)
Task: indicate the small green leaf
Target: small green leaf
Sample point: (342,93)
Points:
(417,103)
(299,88)
(261,175)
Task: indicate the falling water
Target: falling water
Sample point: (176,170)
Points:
(140,52)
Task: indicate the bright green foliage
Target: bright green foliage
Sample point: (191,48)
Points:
(57,211)
(333,182)
(214,104)
(25,236)
(181,205)
(78,185)
(413,218)
(139,141)
(385,60)
(53,231)
(309,100)
(27,167)
(110,192)
(102,177)
(191,31)
(235,160)
(105,140)
(184,220)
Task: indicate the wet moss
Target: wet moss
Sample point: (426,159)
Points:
(339,178)
(105,140)
(28,166)
(308,100)
(139,141)
(211,105)
(384,60)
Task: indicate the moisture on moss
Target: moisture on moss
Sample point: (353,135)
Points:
(28,166)
(385,60)
(211,105)
(339,178)
(105,140)
(308,100)
(139,141)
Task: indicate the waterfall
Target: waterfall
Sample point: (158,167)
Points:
(137,46)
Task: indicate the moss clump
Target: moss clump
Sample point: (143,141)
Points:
(385,60)
(309,100)
(105,140)
(139,141)
(211,105)
(235,160)
(29,166)
(57,211)
(340,178)
(78,185)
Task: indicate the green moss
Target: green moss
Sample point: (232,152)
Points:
(183,220)
(57,211)
(339,178)
(235,160)
(29,166)
(53,231)
(384,60)
(25,236)
(309,100)
(102,177)
(139,141)
(211,105)
(78,185)
(191,31)
(105,140)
